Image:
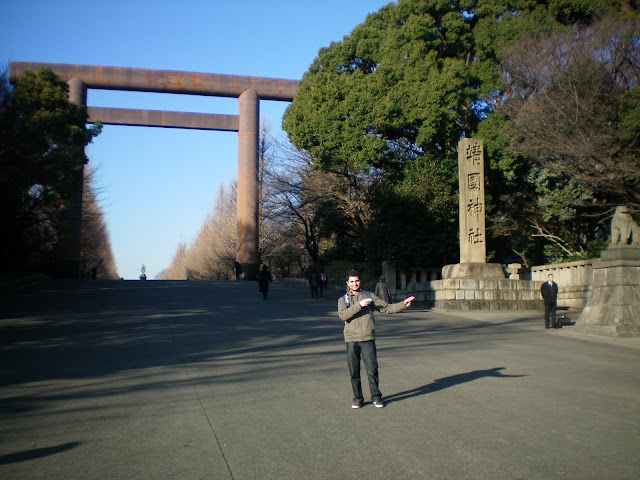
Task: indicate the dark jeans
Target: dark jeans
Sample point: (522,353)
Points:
(366,351)
(550,311)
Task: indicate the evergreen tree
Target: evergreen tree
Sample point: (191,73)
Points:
(42,140)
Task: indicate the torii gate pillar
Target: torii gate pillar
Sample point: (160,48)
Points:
(68,246)
(247,199)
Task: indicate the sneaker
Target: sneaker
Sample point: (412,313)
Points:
(379,403)
(356,404)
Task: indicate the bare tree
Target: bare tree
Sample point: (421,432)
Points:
(566,98)
(96,256)
(212,253)
(280,242)
(295,198)
(321,208)
(177,269)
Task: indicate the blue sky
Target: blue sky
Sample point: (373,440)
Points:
(158,185)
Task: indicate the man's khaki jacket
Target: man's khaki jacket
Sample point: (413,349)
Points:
(359,324)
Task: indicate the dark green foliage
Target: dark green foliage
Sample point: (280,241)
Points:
(287,263)
(401,84)
(414,221)
(42,136)
(336,271)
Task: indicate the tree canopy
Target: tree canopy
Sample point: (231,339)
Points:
(386,106)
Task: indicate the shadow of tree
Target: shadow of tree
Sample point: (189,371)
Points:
(95,331)
(36,453)
(89,329)
(446,382)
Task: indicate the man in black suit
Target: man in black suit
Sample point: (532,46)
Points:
(549,291)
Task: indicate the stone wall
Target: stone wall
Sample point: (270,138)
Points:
(478,294)
(574,285)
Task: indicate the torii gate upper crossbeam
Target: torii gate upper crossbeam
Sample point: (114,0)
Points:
(165,81)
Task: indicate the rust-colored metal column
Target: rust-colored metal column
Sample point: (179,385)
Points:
(70,214)
(247,243)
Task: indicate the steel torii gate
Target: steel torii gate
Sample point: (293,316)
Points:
(248,90)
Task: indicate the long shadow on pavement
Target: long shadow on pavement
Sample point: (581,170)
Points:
(446,382)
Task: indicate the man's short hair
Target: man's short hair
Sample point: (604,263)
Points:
(351,273)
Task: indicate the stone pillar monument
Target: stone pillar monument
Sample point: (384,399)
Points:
(473,242)
(247,195)
(474,284)
(70,215)
(613,307)
(473,247)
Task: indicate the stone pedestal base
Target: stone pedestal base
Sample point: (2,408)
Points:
(613,308)
(469,294)
(473,270)
(476,286)
(250,271)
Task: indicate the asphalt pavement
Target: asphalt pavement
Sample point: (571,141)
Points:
(205,380)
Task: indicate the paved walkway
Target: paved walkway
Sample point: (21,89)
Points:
(204,380)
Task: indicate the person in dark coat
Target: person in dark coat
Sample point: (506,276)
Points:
(314,283)
(549,292)
(264,279)
(382,290)
(324,282)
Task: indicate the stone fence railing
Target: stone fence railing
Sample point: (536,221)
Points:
(573,278)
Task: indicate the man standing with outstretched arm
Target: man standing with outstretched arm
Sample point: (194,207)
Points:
(356,309)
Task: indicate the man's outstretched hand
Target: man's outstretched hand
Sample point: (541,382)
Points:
(365,301)
(407,301)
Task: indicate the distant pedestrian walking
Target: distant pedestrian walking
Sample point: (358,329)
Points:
(549,292)
(382,290)
(238,269)
(264,279)
(324,282)
(314,283)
